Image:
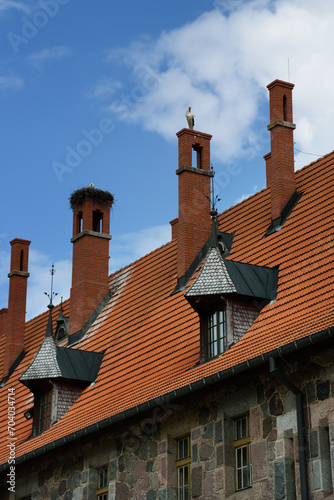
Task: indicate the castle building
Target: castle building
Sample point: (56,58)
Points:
(205,369)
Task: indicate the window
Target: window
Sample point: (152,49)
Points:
(97,221)
(21,260)
(43,411)
(183,468)
(102,484)
(79,222)
(216,333)
(61,334)
(242,456)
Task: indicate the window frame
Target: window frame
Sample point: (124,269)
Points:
(183,464)
(44,402)
(242,443)
(102,490)
(216,332)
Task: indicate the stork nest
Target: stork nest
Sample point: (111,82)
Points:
(78,197)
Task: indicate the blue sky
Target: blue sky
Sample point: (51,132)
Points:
(95,92)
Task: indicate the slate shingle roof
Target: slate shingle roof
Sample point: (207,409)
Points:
(151,336)
(213,277)
(219,276)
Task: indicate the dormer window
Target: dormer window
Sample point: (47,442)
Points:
(57,376)
(228,297)
(61,334)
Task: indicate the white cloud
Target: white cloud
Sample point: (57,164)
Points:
(10,83)
(244,196)
(221,63)
(124,249)
(40,282)
(105,87)
(128,247)
(39,59)
(6,5)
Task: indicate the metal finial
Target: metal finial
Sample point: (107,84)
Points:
(214,199)
(52,293)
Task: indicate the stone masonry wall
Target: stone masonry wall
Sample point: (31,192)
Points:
(141,453)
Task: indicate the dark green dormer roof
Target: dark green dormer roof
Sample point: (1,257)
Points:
(53,362)
(222,276)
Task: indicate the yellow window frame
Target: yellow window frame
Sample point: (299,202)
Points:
(183,462)
(241,443)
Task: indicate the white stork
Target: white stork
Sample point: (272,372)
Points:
(190,118)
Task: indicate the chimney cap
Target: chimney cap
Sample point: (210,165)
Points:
(79,196)
(280,83)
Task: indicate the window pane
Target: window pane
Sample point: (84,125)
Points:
(183,478)
(241,430)
(183,448)
(179,451)
(238,452)
(244,427)
(216,336)
(242,467)
(103,478)
(245,477)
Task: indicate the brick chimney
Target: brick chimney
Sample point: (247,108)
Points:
(194,223)
(91,223)
(280,162)
(14,318)
(3,320)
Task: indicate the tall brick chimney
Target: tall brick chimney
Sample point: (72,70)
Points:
(14,321)
(280,162)
(91,223)
(194,223)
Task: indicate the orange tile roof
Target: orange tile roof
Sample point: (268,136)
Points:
(151,338)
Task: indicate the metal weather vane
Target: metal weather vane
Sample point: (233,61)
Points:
(52,294)
(214,199)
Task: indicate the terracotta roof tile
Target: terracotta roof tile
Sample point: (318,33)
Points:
(151,338)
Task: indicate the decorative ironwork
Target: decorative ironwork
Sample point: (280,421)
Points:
(52,294)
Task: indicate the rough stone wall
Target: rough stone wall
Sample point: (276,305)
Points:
(141,453)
